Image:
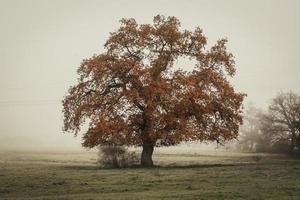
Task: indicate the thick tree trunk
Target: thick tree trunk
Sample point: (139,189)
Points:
(146,160)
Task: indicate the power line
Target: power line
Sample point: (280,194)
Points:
(29,102)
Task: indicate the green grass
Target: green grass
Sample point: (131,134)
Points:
(181,176)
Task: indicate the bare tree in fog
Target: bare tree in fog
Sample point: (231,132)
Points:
(275,130)
(284,114)
(250,133)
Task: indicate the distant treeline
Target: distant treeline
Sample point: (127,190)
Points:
(276,130)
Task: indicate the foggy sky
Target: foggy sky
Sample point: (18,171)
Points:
(43,42)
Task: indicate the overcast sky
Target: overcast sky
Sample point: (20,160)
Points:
(42,43)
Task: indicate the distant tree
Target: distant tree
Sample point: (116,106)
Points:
(250,132)
(269,140)
(133,95)
(284,114)
(275,130)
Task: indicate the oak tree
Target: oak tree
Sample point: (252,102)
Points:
(132,94)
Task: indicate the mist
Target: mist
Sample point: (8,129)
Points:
(43,43)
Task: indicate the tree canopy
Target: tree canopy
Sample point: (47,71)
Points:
(132,94)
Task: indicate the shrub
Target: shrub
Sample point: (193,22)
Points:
(257,158)
(114,156)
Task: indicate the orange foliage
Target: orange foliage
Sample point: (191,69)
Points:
(132,95)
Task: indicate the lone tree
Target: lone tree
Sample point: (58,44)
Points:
(133,95)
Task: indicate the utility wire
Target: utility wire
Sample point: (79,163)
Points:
(29,102)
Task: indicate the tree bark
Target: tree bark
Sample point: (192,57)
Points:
(146,160)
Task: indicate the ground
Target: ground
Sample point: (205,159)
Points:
(212,175)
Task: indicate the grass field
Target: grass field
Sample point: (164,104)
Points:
(211,175)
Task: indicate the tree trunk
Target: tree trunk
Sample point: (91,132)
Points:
(292,147)
(146,160)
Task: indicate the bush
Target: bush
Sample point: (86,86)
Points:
(257,158)
(114,156)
